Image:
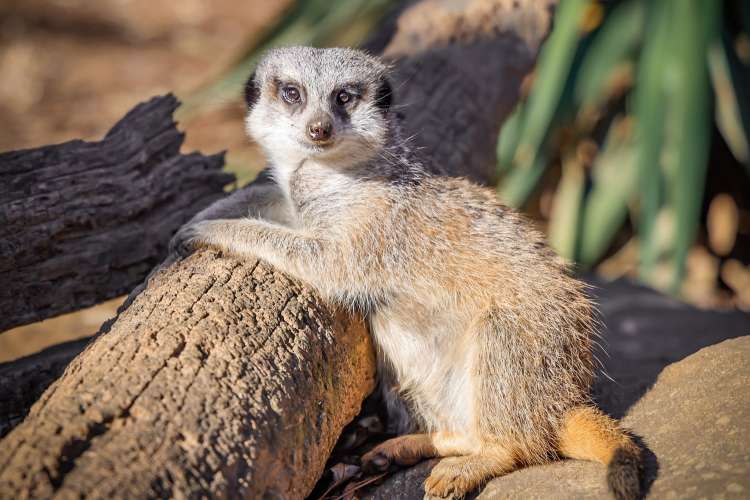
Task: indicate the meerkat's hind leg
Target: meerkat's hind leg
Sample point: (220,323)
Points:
(455,477)
(402,450)
(411,448)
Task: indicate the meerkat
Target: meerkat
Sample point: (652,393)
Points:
(484,339)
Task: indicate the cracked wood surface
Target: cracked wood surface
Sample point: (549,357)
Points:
(24,380)
(225,378)
(82,222)
(223,351)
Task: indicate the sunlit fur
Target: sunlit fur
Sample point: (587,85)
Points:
(484,338)
(280,129)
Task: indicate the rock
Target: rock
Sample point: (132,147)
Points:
(695,422)
(405,485)
(644,332)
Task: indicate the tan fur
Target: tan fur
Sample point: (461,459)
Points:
(454,476)
(484,339)
(588,434)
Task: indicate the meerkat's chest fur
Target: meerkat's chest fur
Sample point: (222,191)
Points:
(414,332)
(319,193)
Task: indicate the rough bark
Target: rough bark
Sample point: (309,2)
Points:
(24,380)
(82,222)
(225,378)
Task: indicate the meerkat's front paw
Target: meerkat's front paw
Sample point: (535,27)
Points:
(455,477)
(189,237)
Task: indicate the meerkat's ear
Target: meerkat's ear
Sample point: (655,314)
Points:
(252,91)
(384,94)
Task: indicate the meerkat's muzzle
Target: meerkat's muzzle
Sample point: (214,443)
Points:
(320,131)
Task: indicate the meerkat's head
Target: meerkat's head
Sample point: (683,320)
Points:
(324,104)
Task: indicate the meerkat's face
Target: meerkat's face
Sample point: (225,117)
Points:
(324,104)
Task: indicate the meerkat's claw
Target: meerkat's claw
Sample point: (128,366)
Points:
(374,462)
(181,244)
(186,239)
(403,450)
(455,477)
(449,479)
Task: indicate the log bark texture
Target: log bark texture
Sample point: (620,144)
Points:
(82,222)
(22,381)
(226,378)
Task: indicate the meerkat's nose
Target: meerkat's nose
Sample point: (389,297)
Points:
(320,130)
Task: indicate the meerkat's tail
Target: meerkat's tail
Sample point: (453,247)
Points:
(589,434)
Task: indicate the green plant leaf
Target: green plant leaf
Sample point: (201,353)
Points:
(728,112)
(739,74)
(690,107)
(649,97)
(510,135)
(614,181)
(564,224)
(553,71)
(615,42)
(519,182)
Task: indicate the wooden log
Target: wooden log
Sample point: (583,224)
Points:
(82,222)
(24,380)
(225,378)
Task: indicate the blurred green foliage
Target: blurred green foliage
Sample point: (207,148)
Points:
(318,23)
(624,99)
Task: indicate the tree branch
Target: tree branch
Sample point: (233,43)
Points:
(82,222)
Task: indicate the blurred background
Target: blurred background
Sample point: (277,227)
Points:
(630,147)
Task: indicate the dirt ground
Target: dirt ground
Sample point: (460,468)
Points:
(70,68)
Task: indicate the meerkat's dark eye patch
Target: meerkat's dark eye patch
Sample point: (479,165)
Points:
(291,94)
(347,95)
(252,91)
(384,95)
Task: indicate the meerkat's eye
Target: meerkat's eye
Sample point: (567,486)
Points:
(290,94)
(343,97)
